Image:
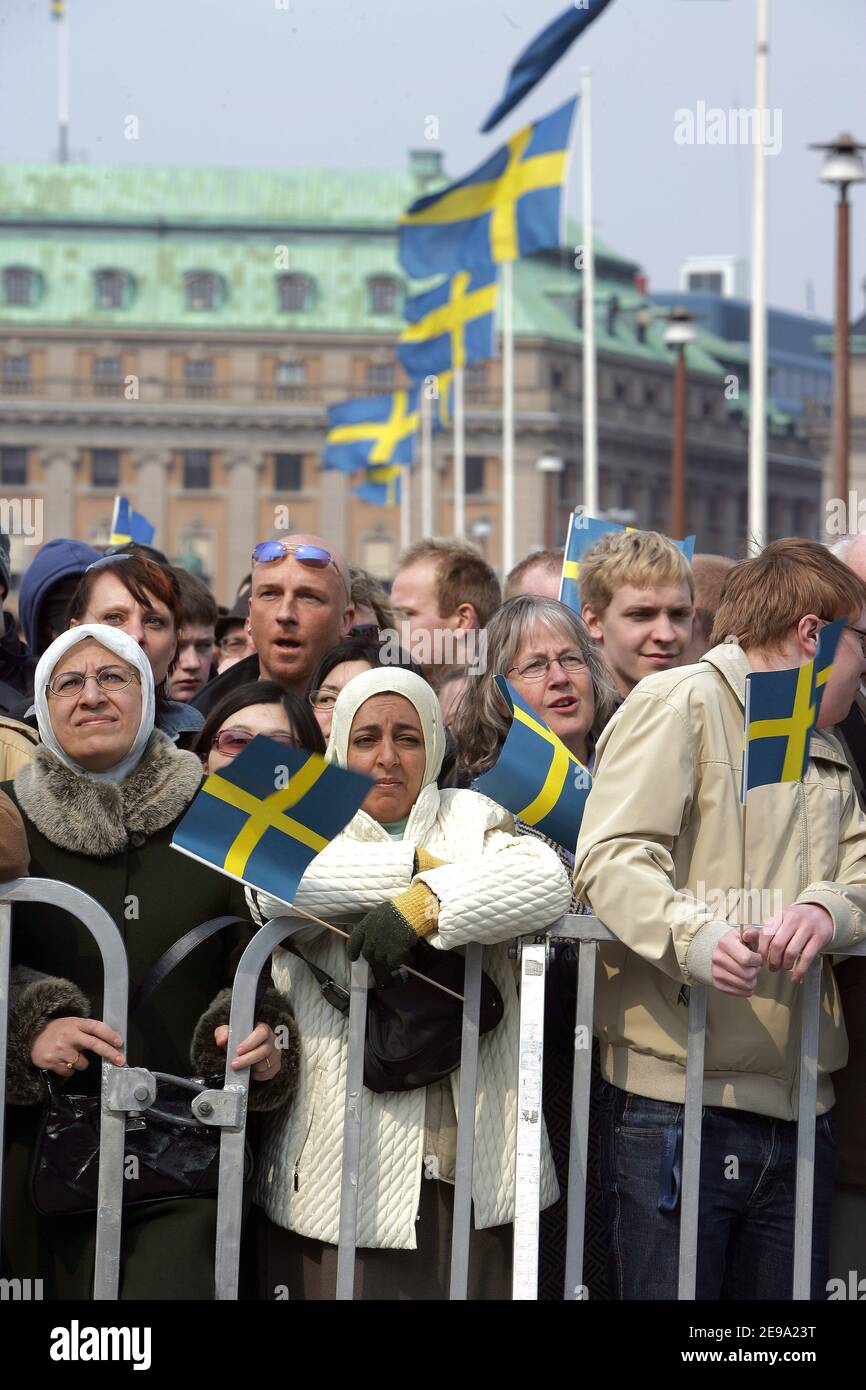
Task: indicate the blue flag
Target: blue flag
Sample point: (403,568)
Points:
(782,709)
(535,776)
(127,525)
(372,430)
(264,817)
(584,531)
(539,57)
(449,326)
(506,208)
(381,486)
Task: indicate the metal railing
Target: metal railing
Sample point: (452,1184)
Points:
(227,1108)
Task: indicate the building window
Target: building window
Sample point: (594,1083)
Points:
(16,375)
(383,294)
(105,468)
(13,467)
(288,472)
(110,288)
(290,373)
(380,374)
(704,282)
(107,376)
(620,391)
(198,377)
(557,379)
(196,470)
(474,475)
(708,407)
(202,290)
(650,396)
(293,294)
(19,285)
(475,381)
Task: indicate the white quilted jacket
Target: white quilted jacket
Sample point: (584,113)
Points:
(495,885)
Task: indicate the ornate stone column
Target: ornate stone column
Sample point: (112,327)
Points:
(58,470)
(151,467)
(244,469)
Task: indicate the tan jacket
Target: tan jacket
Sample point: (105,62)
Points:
(657,857)
(14,850)
(18,743)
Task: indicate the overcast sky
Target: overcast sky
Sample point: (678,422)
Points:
(349,84)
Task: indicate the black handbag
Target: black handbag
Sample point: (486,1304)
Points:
(414,1031)
(167,1152)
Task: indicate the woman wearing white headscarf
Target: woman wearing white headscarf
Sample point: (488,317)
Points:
(100,802)
(414,861)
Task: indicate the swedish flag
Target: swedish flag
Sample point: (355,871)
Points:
(535,776)
(782,709)
(265,816)
(508,207)
(372,430)
(381,486)
(584,531)
(449,326)
(128,525)
(545,50)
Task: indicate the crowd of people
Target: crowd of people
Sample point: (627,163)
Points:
(123,684)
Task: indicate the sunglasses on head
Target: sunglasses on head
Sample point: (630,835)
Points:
(231,742)
(314,556)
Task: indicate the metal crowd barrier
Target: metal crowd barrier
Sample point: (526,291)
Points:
(134,1088)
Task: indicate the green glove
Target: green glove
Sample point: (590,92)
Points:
(387,934)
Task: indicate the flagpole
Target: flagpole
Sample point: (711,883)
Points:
(590,415)
(408,968)
(757,529)
(744,794)
(507,507)
(405,509)
(426,465)
(63,87)
(459,455)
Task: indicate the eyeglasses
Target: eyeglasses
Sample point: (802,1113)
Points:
(110,678)
(237,642)
(572,664)
(369,631)
(323,699)
(316,556)
(849,627)
(231,742)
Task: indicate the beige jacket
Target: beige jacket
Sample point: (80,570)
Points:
(18,743)
(657,858)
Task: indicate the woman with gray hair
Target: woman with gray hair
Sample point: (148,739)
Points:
(546,653)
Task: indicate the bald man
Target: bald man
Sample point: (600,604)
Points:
(299,608)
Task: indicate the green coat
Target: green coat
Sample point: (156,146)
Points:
(113,842)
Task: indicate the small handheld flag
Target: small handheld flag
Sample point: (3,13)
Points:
(535,776)
(539,57)
(782,709)
(450,326)
(372,430)
(128,525)
(584,531)
(506,208)
(264,817)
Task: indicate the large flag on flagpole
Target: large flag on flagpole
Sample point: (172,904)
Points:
(128,525)
(535,776)
(508,207)
(372,430)
(264,817)
(382,486)
(584,531)
(539,56)
(449,326)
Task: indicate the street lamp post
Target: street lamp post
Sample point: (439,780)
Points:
(678,334)
(842,166)
(550,466)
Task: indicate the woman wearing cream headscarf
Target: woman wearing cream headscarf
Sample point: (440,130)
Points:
(100,802)
(414,861)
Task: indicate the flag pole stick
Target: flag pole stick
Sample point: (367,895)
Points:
(590,407)
(459,455)
(741,913)
(405,508)
(507,506)
(426,465)
(409,971)
(744,794)
(757,532)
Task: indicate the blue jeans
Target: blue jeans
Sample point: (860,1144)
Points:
(746,1220)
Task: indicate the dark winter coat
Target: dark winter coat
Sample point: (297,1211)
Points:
(113,842)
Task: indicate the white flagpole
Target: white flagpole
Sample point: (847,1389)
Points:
(590,402)
(459,453)
(757,529)
(426,465)
(63,87)
(507,510)
(405,508)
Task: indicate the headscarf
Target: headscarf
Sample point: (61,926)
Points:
(122,645)
(383,680)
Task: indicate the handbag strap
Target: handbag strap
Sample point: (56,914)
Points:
(335,994)
(178,951)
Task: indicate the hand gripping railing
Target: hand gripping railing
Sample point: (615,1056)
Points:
(123,1088)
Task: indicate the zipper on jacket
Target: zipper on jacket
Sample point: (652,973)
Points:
(296,1183)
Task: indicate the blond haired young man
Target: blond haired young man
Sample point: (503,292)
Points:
(637,600)
(658,850)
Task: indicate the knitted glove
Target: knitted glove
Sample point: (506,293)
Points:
(425,860)
(387,934)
